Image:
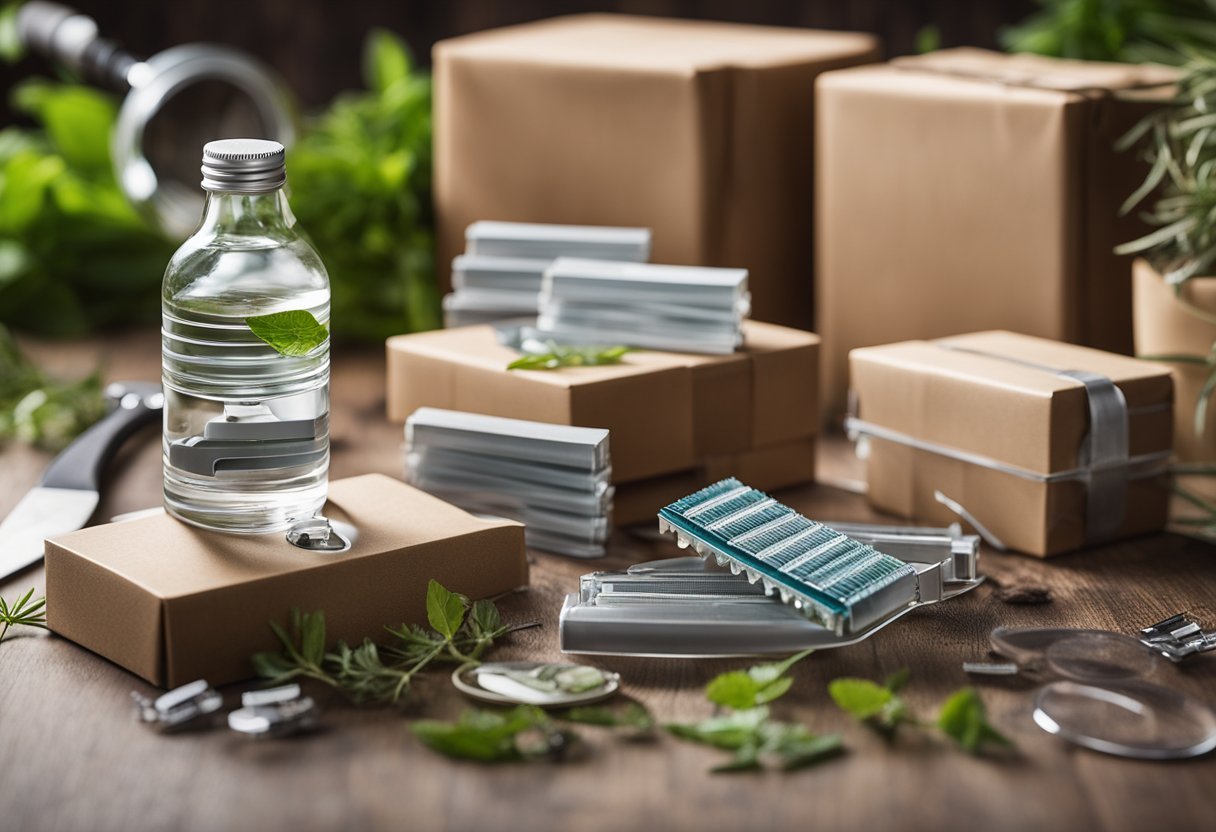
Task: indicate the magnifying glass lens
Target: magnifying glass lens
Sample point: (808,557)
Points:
(195,114)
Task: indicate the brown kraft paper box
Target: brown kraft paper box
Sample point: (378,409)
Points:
(667,412)
(700,131)
(772,468)
(988,397)
(172,603)
(967,190)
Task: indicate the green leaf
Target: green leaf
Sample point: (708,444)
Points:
(964,720)
(805,752)
(896,681)
(11,47)
(730,732)
(292,333)
(860,698)
(484,736)
(444,609)
(312,637)
(633,716)
(735,690)
(773,690)
(565,356)
(385,60)
(484,620)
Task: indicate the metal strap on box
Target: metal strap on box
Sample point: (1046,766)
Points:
(1105,464)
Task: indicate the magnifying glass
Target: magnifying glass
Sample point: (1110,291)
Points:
(174,102)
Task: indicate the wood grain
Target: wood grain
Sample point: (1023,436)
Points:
(72,757)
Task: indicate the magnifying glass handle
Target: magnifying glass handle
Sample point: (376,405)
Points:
(70,38)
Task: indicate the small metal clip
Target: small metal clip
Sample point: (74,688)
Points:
(318,534)
(1177,637)
(274,712)
(188,706)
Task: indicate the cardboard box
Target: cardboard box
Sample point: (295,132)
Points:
(700,131)
(173,603)
(779,466)
(987,420)
(667,412)
(967,190)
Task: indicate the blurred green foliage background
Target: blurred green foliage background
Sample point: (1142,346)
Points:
(76,257)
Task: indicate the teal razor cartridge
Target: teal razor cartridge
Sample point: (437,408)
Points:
(842,583)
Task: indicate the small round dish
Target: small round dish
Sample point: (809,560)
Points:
(1130,719)
(1027,646)
(511,683)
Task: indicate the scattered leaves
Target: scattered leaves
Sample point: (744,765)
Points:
(40,410)
(293,333)
(746,729)
(964,719)
(563,356)
(368,673)
(26,611)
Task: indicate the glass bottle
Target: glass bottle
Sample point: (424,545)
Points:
(246,428)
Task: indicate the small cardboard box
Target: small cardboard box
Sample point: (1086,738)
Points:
(783,465)
(667,412)
(1004,425)
(966,190)
(173,603)
(700,131)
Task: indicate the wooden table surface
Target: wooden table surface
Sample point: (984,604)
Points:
(73,758)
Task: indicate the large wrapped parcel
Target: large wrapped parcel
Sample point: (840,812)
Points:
(701,132)
(675,419)
(966,190)
(1044,447)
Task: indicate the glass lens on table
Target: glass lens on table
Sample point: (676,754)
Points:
(1129,719)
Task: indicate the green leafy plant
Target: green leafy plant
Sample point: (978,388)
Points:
(361,185)
(746,727)
(26,611)
(76,257)
(295,332)
(369,673)
(40,410)
(562,356)
(962,717)
(1116,30)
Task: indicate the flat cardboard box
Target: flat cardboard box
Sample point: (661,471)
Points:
(173,603)
(700,131)
(784,465)
(667,412)
(967,190)
(977,399)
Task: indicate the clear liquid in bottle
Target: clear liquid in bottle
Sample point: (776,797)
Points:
(246,429)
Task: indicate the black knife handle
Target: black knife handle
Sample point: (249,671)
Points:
(80,464)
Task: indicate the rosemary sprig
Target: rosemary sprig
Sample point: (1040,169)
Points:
(24,611)
(369,673)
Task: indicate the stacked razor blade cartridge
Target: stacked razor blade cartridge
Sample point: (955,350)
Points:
(555,479)
(836,580)
(674,308)
(499,276)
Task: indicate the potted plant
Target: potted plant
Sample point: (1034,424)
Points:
(1174,277)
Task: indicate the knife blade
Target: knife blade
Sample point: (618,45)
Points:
(70,488)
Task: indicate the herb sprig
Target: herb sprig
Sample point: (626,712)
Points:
(25,611)
(367,673)
(39,410)
(560,356)
(962,718)
(747,729)
(294,333)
